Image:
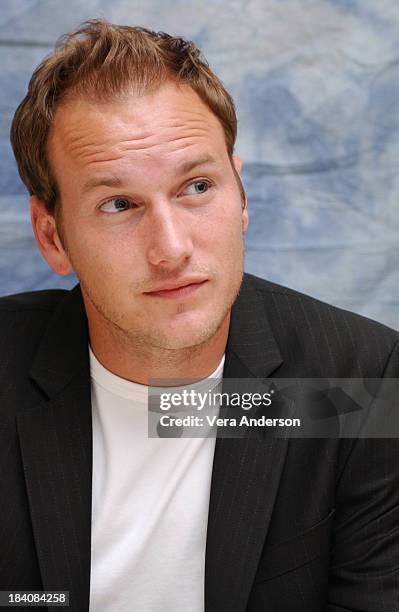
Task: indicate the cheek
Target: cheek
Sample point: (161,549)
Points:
(224,224)
(88,243)
(226,233)
(96,259)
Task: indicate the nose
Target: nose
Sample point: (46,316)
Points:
(168,236)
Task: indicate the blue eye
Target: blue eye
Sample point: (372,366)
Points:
(198,186)
(116,205)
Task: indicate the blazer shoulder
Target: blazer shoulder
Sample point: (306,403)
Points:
(32,325)
(280,294)
(323,337)
(23,319)
(45,300)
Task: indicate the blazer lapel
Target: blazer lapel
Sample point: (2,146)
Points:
(246,471)
(56,448)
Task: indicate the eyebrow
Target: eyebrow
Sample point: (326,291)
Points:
(186,167)
(115,181)
(101,181)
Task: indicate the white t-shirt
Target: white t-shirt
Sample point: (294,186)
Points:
(150,505)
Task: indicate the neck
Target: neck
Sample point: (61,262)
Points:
(142,366)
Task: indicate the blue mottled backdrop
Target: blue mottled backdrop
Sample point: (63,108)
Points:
(316,84)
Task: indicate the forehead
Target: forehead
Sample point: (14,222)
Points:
(169,122)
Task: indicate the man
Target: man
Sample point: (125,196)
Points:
(125,141)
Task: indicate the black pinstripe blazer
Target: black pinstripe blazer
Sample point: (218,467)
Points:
(294,525)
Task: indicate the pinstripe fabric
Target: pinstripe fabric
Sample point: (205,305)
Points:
(45,498)
(294,526)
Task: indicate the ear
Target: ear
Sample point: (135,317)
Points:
(237,162)
(47,238)
(245,218)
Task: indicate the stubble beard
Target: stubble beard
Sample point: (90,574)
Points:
(148,342)
(152,344)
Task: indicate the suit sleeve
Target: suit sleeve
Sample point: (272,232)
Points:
(364,570)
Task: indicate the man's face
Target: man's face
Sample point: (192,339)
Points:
(150,204)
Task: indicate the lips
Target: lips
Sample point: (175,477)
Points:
(178,288)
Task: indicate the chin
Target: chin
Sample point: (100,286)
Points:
(184,340)
(187,334)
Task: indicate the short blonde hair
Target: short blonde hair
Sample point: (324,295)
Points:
(102,60)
